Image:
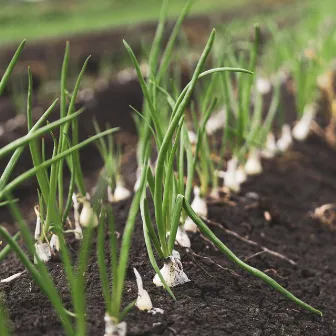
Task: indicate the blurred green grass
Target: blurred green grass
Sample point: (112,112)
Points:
(41,19)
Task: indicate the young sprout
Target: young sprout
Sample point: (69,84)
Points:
(305,70)
(301,129)
(87,216)
(40,274)
(270,147)
(241,174)
(121,192)
(253,164)
(164,184)
(114,329)
(54,243)
(263,85)
(182,237)
(200,207)
(112,292)
(116,190)
(144,301)
(201,163)
(232,178)
(285,140)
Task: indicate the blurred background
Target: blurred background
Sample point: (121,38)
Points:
(33,19)
(97,28)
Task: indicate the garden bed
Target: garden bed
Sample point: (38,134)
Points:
(223,301)
(274,210)
(273,221)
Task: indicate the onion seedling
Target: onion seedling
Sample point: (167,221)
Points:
(285,140)
(50,212)
(245,132)
(52,184)
(112,291)
(204,167)
(11,66)
(305,71)
(164,185)
(301,129)
(40,274)
(168,208)
(157,71)
(111,175)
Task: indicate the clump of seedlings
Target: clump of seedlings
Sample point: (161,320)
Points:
(111,172)
(164,188)
(51,215)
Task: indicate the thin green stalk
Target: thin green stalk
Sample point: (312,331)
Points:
(170,132)
(63,102)
(11,67)
(113,256)
(126,243)
(12,185)
(101,261)
(150,250)
(171,42)
(79,281)
(6,250)
(146,93)
(34,135)
(156,46)
(42,175)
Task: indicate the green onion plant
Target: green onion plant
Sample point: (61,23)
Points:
(113,280)
(163,185)
(49,211)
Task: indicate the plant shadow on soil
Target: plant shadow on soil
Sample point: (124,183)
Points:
(221,300)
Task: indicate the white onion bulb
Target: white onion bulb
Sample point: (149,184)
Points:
(301,129)
(172,273)
(253,164)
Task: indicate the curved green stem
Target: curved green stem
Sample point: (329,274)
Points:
(261,275)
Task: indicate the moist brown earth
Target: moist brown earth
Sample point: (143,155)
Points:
(221,299)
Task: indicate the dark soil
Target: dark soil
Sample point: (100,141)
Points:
(221,299)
